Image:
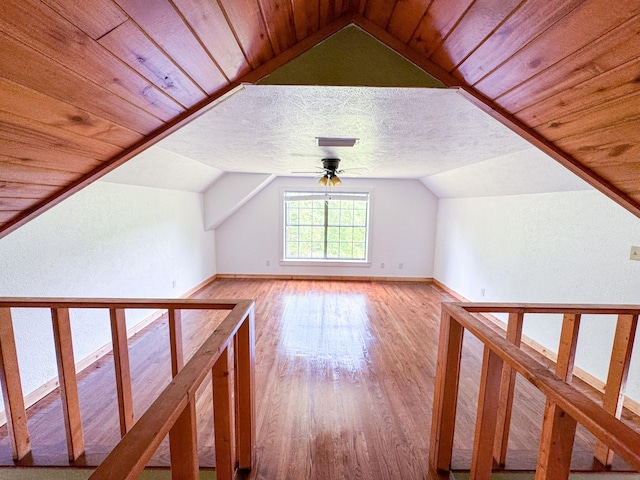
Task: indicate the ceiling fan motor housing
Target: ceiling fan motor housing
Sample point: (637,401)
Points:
(330,164)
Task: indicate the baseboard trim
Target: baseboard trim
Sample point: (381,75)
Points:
(335,278)
(48,387)
(594,382)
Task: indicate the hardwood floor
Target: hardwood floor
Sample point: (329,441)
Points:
(344,382)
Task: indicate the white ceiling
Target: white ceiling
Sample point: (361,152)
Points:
(434,135)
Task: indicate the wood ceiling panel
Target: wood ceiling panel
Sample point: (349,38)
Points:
(615,83)
(130,44)
(306,18)
(616,48)
(82,13)
(27,67)
(12,172)
(50,158)
(406,17)
(26,190)
(246,19)
(478,22)
(379,11)
(43,30)
(6,216)
(525,24)
(614,145)
(83,84)
(599,117)
(279,23)
(208,22)
(590,21)
(166,27)
(22,101)
(15,203)
(27,154)
(436,25)
(15,128)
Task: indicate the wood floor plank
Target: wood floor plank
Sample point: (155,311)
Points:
(344,385)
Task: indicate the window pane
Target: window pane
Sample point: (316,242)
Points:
(318,250)
(304,249)
(318,216)
(292,215)
(318,234)
(292,249)
(346,250)
(333,234)
(346,234)
(334,216)
(292,234)
(360,217)
(358,250)
(306,216)
(333,250)
(359,234)
(346,217)
(305,233)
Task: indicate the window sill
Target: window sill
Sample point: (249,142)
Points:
(325,263)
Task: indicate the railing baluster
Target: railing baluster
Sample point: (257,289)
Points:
(175,340)
(122,368)
(244,393)
(68,383)
(507,387)
(12,388)
(558,428)
(183,444)
(446,393)
(488,403)
(222,417)
(617,376)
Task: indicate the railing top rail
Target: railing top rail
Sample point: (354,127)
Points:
(548,308)
(130,456)
(606,427)
(158,303)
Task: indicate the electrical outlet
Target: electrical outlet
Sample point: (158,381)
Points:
(381,264)
(268,263)
(635,253)
(482,292)
(401,265)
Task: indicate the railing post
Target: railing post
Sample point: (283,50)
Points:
(244,363)
(12,388)
(507,387)
(222,417)
(183,444)
(488,403)
(558,428)
(122,368)
(446,392)
(68,382)
(175,340)
(617,376)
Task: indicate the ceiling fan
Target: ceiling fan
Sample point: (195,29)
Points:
(329,172)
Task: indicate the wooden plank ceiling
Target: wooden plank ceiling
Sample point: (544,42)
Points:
(85,84)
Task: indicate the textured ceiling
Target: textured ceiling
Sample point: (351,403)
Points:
(402,133)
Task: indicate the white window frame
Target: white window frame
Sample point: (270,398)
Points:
(318,261)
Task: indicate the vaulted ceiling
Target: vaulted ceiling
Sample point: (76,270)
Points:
(87,84)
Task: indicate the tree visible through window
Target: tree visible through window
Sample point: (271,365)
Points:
(323,226)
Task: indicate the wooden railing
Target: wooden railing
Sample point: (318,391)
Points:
(173,412)
(565,405)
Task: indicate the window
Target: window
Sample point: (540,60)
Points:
(326,226)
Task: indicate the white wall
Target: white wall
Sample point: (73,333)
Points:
(108,240)
(570,247)
(403,215)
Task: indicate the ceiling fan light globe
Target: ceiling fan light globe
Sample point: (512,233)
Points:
(323,180)
(335,181)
